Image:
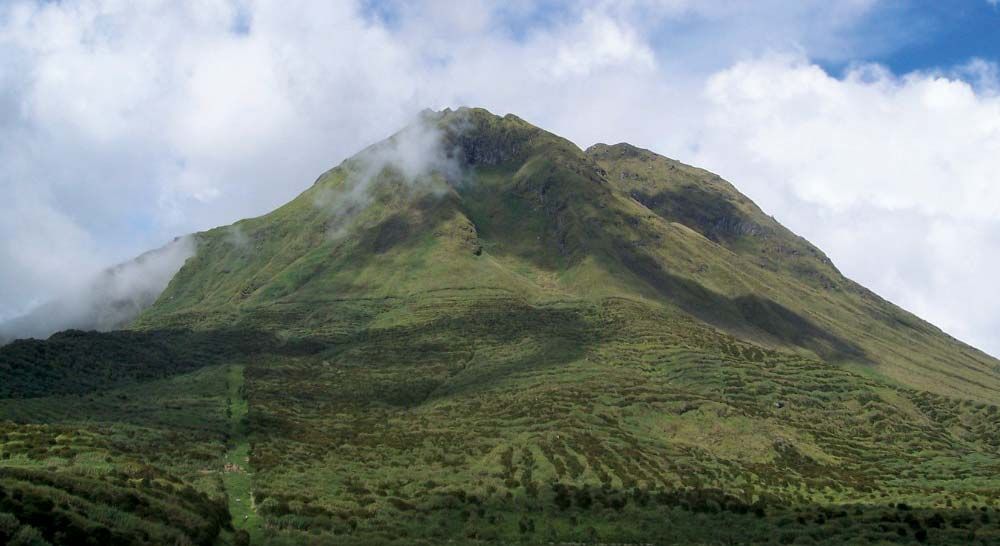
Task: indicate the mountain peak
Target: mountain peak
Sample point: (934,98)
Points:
(467,200)
(619,151)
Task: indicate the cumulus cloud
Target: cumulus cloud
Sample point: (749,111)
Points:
(923,142)
(124,124)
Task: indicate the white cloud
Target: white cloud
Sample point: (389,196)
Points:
(924,142)
(108,300)
(595,43)
(124,124)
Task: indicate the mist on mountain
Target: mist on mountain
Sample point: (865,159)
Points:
(108,301)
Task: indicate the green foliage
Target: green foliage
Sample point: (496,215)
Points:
(135,464)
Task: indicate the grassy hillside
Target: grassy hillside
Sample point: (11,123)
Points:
(600,423)
(128,465)
(517,342)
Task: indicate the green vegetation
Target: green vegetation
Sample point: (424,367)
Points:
(596,424)
(130,465)
(557,346)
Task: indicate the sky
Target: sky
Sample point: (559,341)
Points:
(870,127)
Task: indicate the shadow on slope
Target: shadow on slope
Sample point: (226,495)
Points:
(76,362)
(749,315)
(467,349)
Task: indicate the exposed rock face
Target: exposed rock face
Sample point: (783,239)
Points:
(737,226)
(478,149)
(480,138)
(712,217)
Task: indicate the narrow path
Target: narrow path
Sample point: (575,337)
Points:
(236,474)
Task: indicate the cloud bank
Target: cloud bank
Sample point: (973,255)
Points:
(122,126)
(108,301)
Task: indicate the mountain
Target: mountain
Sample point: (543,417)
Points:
(476,332)
(555,222)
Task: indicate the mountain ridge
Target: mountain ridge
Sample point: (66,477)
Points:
(635,189)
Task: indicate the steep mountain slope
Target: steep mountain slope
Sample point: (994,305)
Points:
(905,348)
(475,331)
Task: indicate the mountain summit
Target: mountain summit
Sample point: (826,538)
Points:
(475,331)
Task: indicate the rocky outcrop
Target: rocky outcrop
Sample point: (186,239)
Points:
(479,138)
